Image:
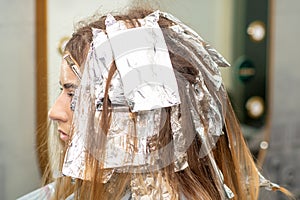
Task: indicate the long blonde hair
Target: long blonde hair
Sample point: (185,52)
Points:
(199,180)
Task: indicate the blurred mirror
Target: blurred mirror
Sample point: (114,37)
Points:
(250,71)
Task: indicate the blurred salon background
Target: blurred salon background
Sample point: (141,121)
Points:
(260,38)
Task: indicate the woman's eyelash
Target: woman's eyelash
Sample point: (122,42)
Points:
(71,94)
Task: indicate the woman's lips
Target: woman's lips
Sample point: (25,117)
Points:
(63,136)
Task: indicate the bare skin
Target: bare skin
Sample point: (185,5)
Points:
(61,112)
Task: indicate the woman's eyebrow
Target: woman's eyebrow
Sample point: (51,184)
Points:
(68,85)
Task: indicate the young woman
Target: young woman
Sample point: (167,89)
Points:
(143,114)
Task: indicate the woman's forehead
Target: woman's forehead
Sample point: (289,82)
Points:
(66,74)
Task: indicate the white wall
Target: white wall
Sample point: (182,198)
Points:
(18,166)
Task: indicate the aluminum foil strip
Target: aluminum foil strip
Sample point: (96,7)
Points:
(203,117)
(208,141)
(198,56)
(228,193)
(126,147)
(127,143)
(216,56)
(100,60)
(212,117)
(267,184)
(181,117)
(179,140)
(142,59)
(151,187)
(75,159)
(213,79)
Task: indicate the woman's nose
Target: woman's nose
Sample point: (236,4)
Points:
(58,111)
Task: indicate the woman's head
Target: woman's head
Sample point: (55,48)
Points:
(77,50)
(192,147)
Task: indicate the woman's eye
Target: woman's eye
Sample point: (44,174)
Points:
(71,94)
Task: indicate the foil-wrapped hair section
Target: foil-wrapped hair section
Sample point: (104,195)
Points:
(100,61)
(99,36)
(229,194)
(110,20)
(216,56)
(112,25)
(73,65)
(142,60)
(150,20)
(202,59)
(127,141)
(180,141)
(151,187)
(267,184)
(74,162)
